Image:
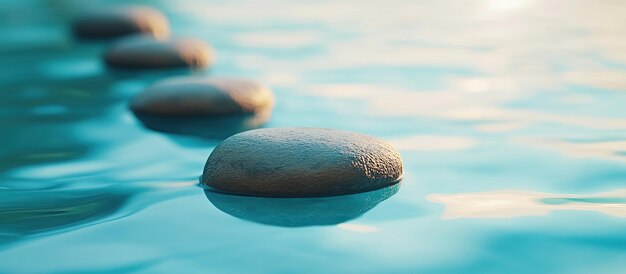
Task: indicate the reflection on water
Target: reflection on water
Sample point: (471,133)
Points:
(602,149)
(205,127)
(25,212)
(298,212)
(432,143)
(508,204)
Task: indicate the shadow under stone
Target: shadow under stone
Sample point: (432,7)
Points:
(215,127)
(299,212)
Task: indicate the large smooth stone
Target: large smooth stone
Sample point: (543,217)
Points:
(298,212)
(144,52)
(204,106)
(117,22)
(301,162)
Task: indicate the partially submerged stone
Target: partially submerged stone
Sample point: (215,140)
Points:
(144,52)
(298,212)
(121,21)
(203,96)
(301,162)
(211,107)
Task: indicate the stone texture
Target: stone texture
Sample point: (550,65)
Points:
(144,52)
(301,162)
(209,107)
(117,22)
(298,212)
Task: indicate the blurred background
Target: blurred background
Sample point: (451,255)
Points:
(509,114)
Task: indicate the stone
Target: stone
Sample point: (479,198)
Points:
(203,96)
(301,162)
(117,22)
(144,52)
(210,107)
(299,212)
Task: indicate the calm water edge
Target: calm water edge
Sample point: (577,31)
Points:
(509,114)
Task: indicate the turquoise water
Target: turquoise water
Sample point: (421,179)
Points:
(509,116)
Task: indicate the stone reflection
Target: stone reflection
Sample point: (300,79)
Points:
(28,212)
(219,127)
(300,212)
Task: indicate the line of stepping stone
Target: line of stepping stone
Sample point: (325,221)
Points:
(269,162)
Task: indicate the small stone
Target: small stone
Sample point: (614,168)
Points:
(144,52)
(298,212)
(117,22)
(301,162)
(209,107)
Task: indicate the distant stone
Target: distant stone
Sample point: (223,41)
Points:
(211,107)
(203,96)
(117,22)
(143,52)
(301,162)
(298,212)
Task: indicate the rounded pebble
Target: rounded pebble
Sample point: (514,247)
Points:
(203,96)
(210,107)
(144,52)
(298,212)
(301,162)
(117,22)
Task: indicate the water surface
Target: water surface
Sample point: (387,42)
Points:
(509,115)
